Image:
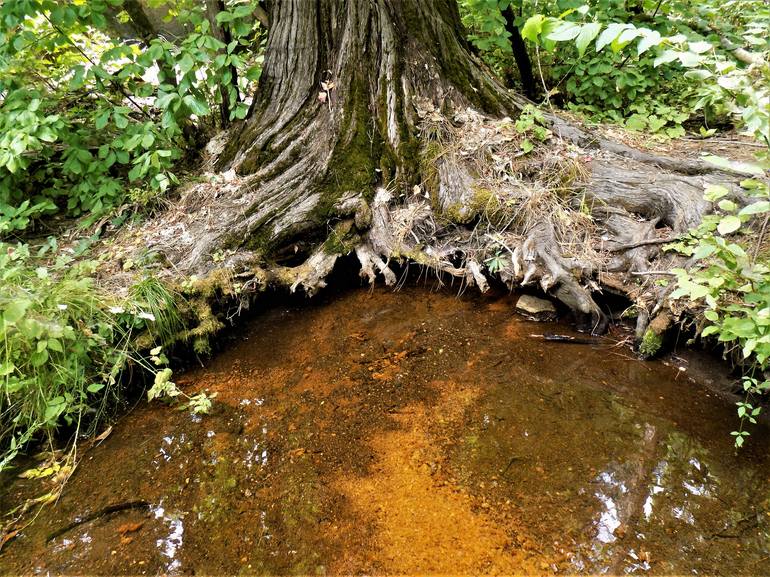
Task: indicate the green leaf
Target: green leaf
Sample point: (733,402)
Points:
(740,167)
(6,368)
(756,208)
(102,119)
(636,122)
(186,63)
(703,251)
(610,34)
(78,77)
(752,184)
(700,47)
(587,33)
(55,345)
(698,291)
(95,387)
(47,135)
(54,408)
(533,27)
(675,131)
(690,59)
(14,311)
(625,38)
(749,347)
(727,205)
(649,39)
(700,74)
(564,31)
(39,358)
(656,123)
(729,224)
(666,57)
(714,192)
(121,121)
(196,106)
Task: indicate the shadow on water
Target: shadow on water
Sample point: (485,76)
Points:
(415,432)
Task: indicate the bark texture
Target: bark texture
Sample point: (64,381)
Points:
(376,131)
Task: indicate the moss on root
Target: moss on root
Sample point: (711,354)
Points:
(342,239)
(198,305)
(650,344)
(483,201)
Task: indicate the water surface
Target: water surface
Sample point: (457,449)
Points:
(415,432)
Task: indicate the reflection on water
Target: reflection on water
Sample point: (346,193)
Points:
(171,543)
(415,433)
(609,520)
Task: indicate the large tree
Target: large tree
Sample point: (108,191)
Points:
(375,130)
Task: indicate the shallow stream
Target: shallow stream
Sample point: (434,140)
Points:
(416,432)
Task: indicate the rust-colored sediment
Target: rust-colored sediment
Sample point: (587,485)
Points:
(444,529)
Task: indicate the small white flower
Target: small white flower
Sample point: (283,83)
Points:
(117,310)
(62,307)
(147,316)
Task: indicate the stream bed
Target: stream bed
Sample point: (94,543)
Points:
(415,432)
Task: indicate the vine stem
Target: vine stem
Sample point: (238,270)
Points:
(760,239)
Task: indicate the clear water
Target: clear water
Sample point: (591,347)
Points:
(415,432)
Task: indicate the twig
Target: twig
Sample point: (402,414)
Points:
(542,78)
(651,272)
(511,462)
(114,83)
(760,239)
(725,141)
(638,360)
(127,506)
(647,242)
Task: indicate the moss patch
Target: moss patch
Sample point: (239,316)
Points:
(342,239)
(651,343)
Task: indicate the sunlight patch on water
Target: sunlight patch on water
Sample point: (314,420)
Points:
(170,545)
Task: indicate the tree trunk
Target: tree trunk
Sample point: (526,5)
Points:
(376,131)
(213,8)
(520,54)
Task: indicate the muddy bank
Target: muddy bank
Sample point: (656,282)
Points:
(415,432)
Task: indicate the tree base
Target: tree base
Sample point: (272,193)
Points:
(570,219)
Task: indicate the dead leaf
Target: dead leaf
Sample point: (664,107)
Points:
(297,452)
(7,537)
(104,434)
(130,527)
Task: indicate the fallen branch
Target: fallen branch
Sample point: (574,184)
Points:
(647,242)
(117,508)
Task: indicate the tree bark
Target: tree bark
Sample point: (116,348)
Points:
(375,131)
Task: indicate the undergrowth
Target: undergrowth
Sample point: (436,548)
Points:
(65,343)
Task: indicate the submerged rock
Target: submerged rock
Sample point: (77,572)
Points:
(536,308)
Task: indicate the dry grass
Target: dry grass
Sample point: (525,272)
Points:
(513,190)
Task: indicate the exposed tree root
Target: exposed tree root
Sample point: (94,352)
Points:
(409,157)
(570,221)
